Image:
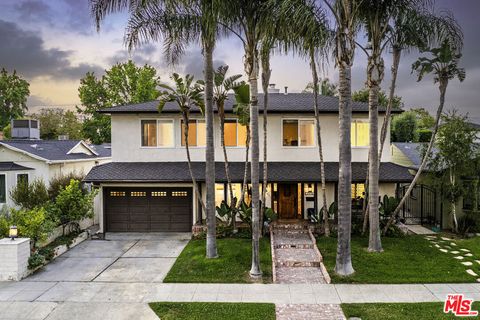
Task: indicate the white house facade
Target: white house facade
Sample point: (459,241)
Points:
(31,159)
(147,186)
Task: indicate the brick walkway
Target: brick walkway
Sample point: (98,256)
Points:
(295,255)
(309,312)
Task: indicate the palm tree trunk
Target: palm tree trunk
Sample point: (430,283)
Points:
(252,71)
(245,172)
(189,161)
(324,209)
(374,241)
(221,114)
(443,89)
(210,153)
(343,264)
(266,72)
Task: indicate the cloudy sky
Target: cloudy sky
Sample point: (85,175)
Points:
(53,43)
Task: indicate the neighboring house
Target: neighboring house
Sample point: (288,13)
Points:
(148,187)
(30,159)
(426,204)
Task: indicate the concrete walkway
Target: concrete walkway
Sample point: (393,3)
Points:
(110,300)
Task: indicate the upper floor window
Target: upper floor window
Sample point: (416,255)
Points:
(196,133)
(3,188)
(157,133)
(298,133)
(235,134)
(360,133)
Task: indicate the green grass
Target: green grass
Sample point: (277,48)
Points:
(407,259)
(232,266)
(213,311)
(399,311)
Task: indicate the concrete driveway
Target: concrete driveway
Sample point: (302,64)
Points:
(121,257)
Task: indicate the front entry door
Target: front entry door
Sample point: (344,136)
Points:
(288,200)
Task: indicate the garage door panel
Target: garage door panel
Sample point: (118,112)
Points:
(148,209)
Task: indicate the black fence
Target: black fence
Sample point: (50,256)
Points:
(421,207)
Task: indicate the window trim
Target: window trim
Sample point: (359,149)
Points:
(6,187)
(196,135)
(236,127)
(298,133)
(158,133)
(21,173)
(363,120)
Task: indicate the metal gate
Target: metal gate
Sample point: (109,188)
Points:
(421,207)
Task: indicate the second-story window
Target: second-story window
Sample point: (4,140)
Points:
(157,133)
(298,133)
(360,133)
(196,133)
(235,134)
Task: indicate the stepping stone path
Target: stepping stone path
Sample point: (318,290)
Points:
(459,254)
(296,257)
(309,311)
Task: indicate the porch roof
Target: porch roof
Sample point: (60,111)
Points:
(277,172)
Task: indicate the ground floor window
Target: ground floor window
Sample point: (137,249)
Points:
(3,188)
(471,195)
(358,195)
(22,178)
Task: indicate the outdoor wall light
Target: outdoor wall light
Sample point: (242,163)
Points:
(13,232)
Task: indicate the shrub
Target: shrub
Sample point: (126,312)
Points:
(424,135)
(60,182)
(33,224)
(29,195)
(47,252)
(35,261)
(73,204)
(4,221)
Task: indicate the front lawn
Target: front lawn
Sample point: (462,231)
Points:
(399,311)
(213,311)
(232,266)
(408,259)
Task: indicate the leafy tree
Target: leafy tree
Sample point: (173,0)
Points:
(60,182)
(424,118)
(55,122)
(456,148)
(404,127)
(29,195)
(73,204)
(13,97)
(362,96)
(324,87)
(123,83)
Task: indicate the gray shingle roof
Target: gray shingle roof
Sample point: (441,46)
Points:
(278,103)
(277,172)
(12,166)
(55,150)
(413,151)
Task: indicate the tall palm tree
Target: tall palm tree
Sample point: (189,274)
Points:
(222,85)
(179,23)
(345,13)
(444,66)
(187,95)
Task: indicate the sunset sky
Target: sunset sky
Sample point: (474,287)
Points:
(53,43)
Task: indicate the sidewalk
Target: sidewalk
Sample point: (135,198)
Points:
(51,300)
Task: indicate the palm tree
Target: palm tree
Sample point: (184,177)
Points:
(345,13)
(187,95)
(444,65)
(179,23)
(222,85)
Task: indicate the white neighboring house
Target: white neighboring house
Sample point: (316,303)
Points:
(44,159)
(147,186)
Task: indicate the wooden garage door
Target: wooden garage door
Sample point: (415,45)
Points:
(148,209)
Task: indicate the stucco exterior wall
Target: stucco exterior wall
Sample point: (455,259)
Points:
(126,141)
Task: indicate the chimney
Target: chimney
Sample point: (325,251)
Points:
(63,137)
(286,90)
(272,89)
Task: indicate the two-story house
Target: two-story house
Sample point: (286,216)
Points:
(147,186)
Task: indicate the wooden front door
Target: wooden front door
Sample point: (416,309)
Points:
(287,200)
